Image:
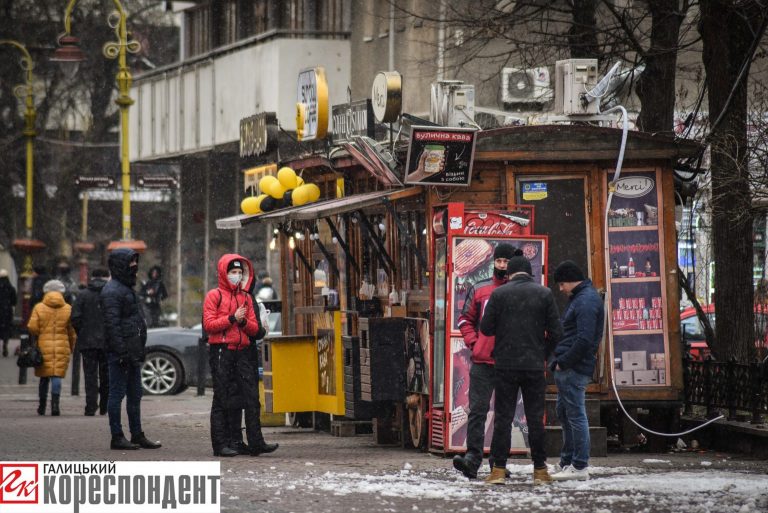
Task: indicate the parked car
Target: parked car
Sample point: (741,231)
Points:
(692,330)
(171,363)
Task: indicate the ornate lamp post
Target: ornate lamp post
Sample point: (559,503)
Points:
(27,245)
(69,53)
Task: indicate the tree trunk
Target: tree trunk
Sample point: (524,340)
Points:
(727,33)
(582,35)
(656,86)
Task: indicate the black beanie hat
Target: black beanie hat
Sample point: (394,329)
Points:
(504,250)
(568,271)
(519,264)
(235,264)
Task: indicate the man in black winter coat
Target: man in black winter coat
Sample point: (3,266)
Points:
(152,294)
(523,317)
(126,336)
(89,325)
(7,304)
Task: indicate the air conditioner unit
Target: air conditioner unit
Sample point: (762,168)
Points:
(573,79)
(525,85)
(452,103)
(487,118)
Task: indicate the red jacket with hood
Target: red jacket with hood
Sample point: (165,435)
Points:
(469,320)
(221,303)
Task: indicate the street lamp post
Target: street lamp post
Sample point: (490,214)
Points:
(27,245)
(69,53)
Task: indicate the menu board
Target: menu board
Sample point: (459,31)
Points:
(637,292)
(326,362)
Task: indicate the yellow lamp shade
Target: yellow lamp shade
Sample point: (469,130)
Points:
(265,184)
(314,192)
(300,195)
(276,190)
(251,204)
(287,177)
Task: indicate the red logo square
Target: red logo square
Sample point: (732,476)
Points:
(18,483)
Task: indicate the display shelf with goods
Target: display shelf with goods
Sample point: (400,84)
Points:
(637,295)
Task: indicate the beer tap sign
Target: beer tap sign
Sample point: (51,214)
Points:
(284,190)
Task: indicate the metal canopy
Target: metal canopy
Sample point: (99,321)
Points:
(319,209)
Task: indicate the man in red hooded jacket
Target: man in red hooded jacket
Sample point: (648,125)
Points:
(481,373)
(229,319)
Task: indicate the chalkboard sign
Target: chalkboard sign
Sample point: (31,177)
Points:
(326,362)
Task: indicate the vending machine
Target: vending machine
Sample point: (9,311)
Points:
(463,242)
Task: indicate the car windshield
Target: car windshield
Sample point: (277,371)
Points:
(692,327)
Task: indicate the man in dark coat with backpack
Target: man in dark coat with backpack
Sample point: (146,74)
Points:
(89,325)
(126,336)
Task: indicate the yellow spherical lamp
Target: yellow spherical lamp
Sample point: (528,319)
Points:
(287,177)
(276,190)
(314,192)
(251,205)
(265,184)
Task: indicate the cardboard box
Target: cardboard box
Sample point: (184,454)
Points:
(658,361)
(634,360)
(662,377)
(623,378)
(395,311)
(646,377)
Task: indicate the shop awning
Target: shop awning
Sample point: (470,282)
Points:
(319,209)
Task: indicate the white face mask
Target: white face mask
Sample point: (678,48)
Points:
(234,278)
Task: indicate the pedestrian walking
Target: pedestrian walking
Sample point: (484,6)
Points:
(126,337)
(88,322)
(153,293)
(523,317)
(573,364)
(7,304)
(229,319)
(265,291)
(50,322)
(40,277)
(482,371)
(63,275)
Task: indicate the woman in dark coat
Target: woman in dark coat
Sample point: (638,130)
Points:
(7,303)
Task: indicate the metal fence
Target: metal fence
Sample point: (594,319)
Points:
(726,385)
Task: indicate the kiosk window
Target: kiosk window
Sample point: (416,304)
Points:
(560,212)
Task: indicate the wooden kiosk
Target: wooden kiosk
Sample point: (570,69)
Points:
(377,238)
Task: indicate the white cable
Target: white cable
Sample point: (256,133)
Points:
(616,175)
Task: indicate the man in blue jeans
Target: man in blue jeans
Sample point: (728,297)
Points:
(573,364)
(125,337)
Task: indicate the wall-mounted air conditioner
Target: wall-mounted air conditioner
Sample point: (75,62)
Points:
(452,103)
(573,79)
(525,85)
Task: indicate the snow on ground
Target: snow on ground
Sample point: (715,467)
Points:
(610,489)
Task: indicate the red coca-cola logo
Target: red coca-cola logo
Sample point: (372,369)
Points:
(495,225)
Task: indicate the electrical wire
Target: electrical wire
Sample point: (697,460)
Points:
(616,176)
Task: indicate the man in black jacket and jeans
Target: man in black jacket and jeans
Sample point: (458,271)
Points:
(523,317)
(126,336)
(89,325)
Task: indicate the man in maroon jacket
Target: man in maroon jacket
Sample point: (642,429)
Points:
(481,373)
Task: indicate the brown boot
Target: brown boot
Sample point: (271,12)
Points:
(541,476)
(497,476)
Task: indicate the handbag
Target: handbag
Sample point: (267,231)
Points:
(30,357)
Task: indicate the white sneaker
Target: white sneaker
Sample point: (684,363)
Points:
(570,473)
(556,468)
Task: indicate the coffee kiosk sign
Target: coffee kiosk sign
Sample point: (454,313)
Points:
(440,156)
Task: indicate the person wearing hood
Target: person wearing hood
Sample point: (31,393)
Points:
(89,325)
(50,323)
(63,274)
(481,372)
(152,293)
(7,304)
(230,321)
(125,338)
(573,364)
